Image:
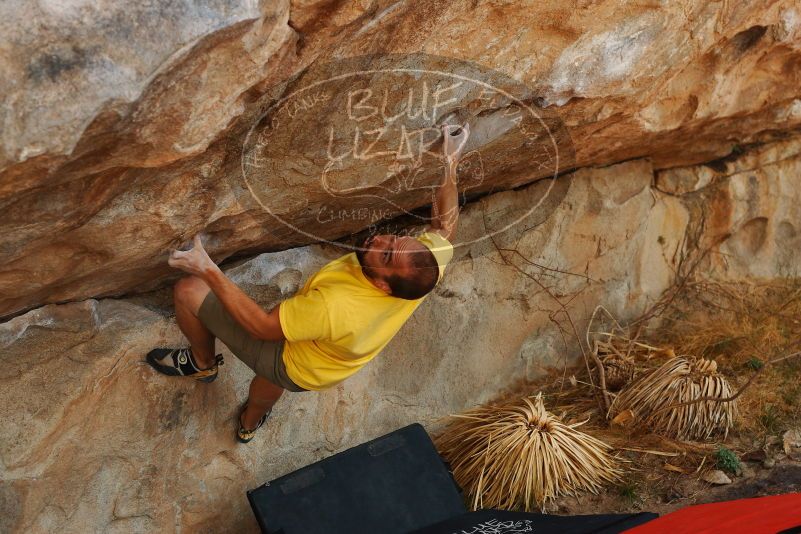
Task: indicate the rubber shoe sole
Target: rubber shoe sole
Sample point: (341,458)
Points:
(244,435)
(206,375)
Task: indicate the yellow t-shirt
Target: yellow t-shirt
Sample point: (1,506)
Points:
(340,321)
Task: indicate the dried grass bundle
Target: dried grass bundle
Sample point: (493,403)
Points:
(677,400)
(616,351)
(619,372)
(517,454)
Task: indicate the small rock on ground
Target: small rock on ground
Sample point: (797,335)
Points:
(716,476)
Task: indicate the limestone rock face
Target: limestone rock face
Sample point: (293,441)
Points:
(125,125)
(751,206)
(94,441)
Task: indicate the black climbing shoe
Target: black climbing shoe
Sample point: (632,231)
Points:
(244,435)
(181,362)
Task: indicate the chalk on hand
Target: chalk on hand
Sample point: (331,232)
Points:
(185,245)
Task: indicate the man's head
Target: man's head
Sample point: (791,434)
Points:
(400,265)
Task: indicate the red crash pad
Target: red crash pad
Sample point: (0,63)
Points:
(761,515)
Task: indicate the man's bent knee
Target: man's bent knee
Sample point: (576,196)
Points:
(190,291)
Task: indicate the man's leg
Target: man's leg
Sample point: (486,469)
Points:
(189,294)
(262,396)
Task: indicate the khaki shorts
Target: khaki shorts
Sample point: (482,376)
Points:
(264,357)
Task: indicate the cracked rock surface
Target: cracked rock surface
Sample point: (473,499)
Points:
(123,124)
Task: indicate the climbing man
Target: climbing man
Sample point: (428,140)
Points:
(341,319)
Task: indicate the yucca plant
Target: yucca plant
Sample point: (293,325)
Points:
(518,454)
(669,400)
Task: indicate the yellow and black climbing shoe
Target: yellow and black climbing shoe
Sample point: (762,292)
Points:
(244,435)
(181,362)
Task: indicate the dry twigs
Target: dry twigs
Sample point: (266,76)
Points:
(506,255)
(682,399)
(615,353)
(520,454)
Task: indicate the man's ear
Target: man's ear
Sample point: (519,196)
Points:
(382,284)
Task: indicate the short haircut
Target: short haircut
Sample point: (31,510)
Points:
(422,279)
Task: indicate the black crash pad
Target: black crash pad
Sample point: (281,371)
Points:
(393,484)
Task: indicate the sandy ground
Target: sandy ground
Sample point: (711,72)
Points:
(677,491)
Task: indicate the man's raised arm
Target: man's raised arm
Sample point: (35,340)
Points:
(445,208)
